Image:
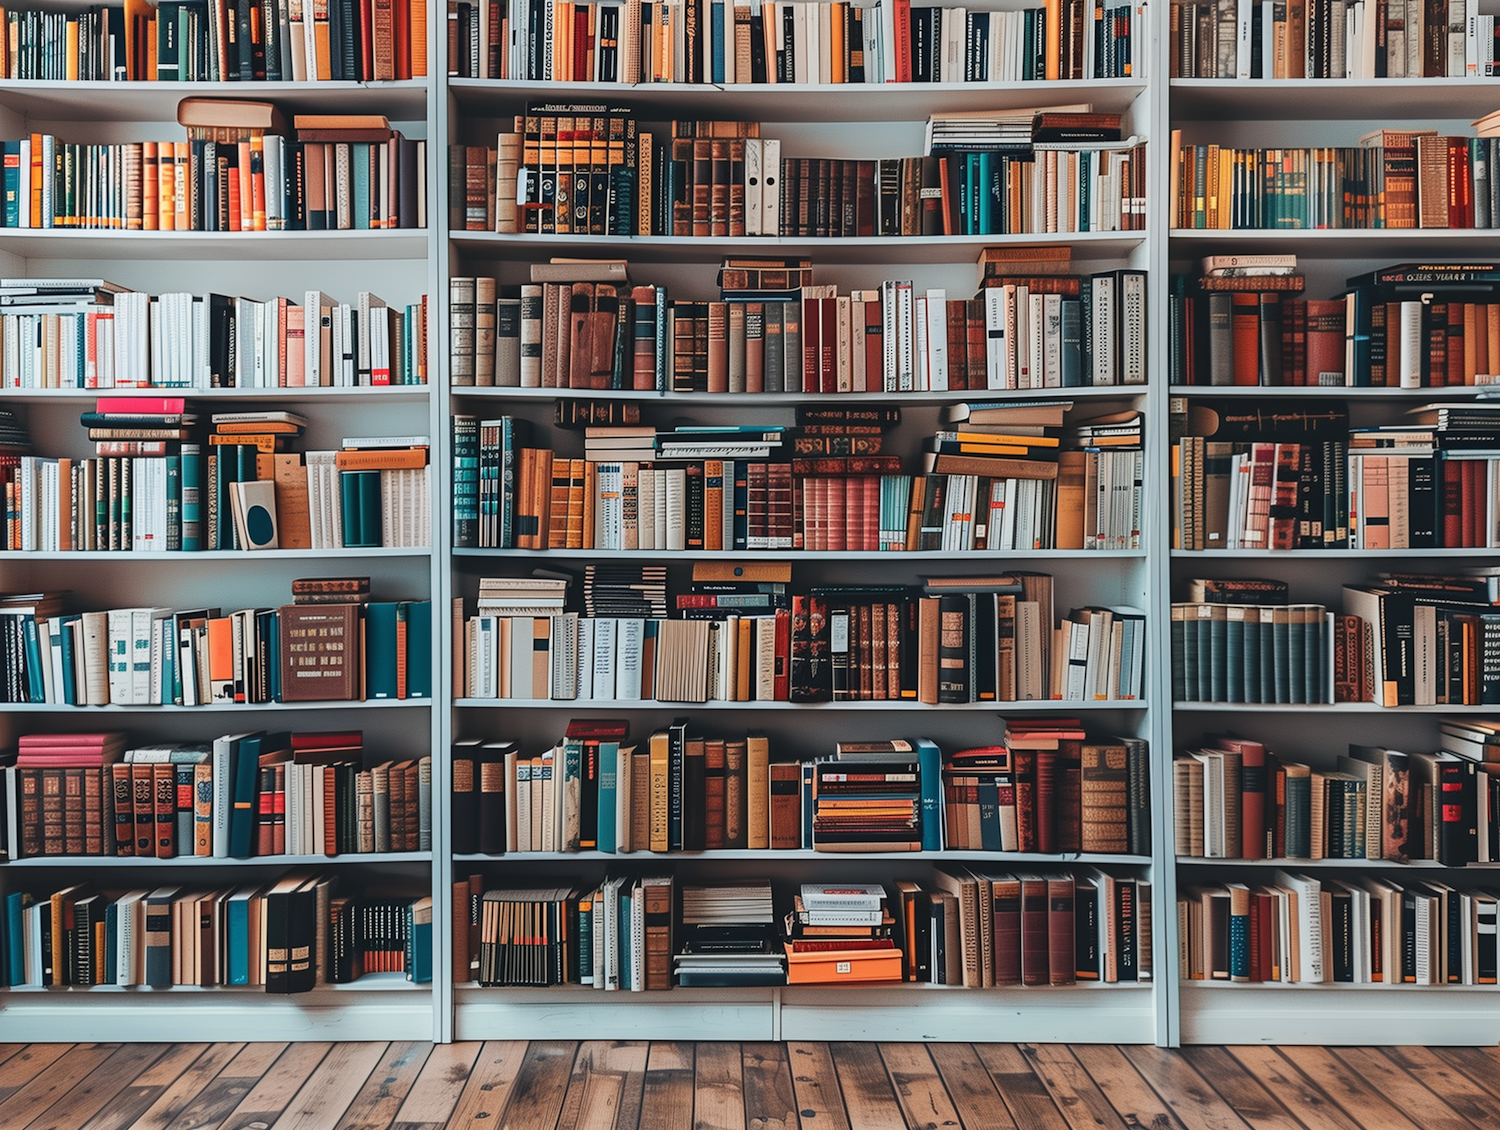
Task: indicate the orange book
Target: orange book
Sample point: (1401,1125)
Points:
(164,790)
(182,171)
(166,178)
(401,650)
(221,659)
(37,220)
(383,459)
(278,813)
(330,812)
(72,51)
(231,174)
(257,184)
(150,192)
(247,191)
(836,966)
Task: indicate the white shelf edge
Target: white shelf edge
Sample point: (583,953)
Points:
(1008,707)
(113,862)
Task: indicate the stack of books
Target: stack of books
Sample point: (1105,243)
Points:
(838,934)
(729,937)
(868,798)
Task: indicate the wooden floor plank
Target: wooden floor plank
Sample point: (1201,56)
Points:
(869,1096)
(174,1094)
(1077,1095)
(1292,1089)
(1191,1098)
(88,1096)
(770,1103)
(487,1093)
(1028,1099)
(1132,1098)
(973,1092)
(1239,1088)
(386,1088)
(208,1108)
(598,1084)
(1361,1100)
(718,1087)
(667,1098)
(69,1070)
(438,1086)
(1393,1084)
(321,1102)
(8,1050)
(632,1086)
(1474,1063)
(1455,1088)
(595,1085)
(815,1087)
(919,1088)
(536,1095)
(26,1065)
(277,1087)
(139,1094)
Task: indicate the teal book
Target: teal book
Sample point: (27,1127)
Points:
(381,658)
(191,456)
(624,938)
(11,151)
(419,649)
(419,941)
(237,936)
(35,686)
(930,770)
(369,507)
(359,203)
(245,770)
(69,658)
(609,776)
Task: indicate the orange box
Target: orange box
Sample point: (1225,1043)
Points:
(836,967)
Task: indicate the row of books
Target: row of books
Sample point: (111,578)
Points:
(1392,179)
(1360,39)
(1298,478)
(269,183)
(240,796)
(732,41)
(208,41)
(1235,799)
(1044,787)
(88,333)
(155,656)
(1304,929)
(963,640)
(1016,332)
(1407,325)
(706,178)
(958,927)
(1406,640)
(289,935)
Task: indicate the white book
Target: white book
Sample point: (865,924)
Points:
(937,340)
(522,647)
(1243,25)
(630,639)
(128,953)
(921,358)
(584,671)
(753,200)
(605,657)
(770,186)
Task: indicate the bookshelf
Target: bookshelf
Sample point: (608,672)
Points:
(400,266)
(1324,112)
(841,122)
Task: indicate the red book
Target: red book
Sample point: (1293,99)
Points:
(903,40)
(828,345)
(155,405)
(278,813)
(1061,960)
(1252,795)
(164,789)
(782,683)
(1452,503)
(68,741)
(958,345)
(1046,800)
(1005,910)
(1245,328)
(332,739)
(1325,342)
(1284,496)
(976,351)
(265,807)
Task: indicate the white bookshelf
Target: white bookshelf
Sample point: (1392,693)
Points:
(398,265)
(1326,112)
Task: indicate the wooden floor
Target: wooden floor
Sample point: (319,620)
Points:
(515,1085)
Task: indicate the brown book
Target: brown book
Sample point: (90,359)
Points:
(69,806)
(992,466)
(320,650)
(164,810)
(29,784)
(713,795)
(657,893)
(785,780)
(143,792)
(735,782)
(98,822)
(1061,964)
(640,798)
(1432,181)
(459,928)
(293,519)
(927,650)
(1103,801)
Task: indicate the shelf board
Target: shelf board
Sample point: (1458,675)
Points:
(1330,554)
(804,102)
(1337,392)
(801,554)
(217,707)
(370,982)
(1322,708)
(374,393)
(1331,987)
(263,246)
(1219,99)
(800,853)
(762,399)
(1333,243)
(113,862)
(572,993)
(50,100)
(215,555)
(1319,864)
(862,249)
(1048,705)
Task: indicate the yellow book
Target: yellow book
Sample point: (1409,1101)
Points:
(418,18)
(72,49)
(660,789)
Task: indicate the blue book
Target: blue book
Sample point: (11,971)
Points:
(273,657)
(419,941)
(16,903)
(35,686)
(609,777)
(419,649)
(359,202)
(69,659)
(237,935)
(244,773)
(717,8)
(930,772)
